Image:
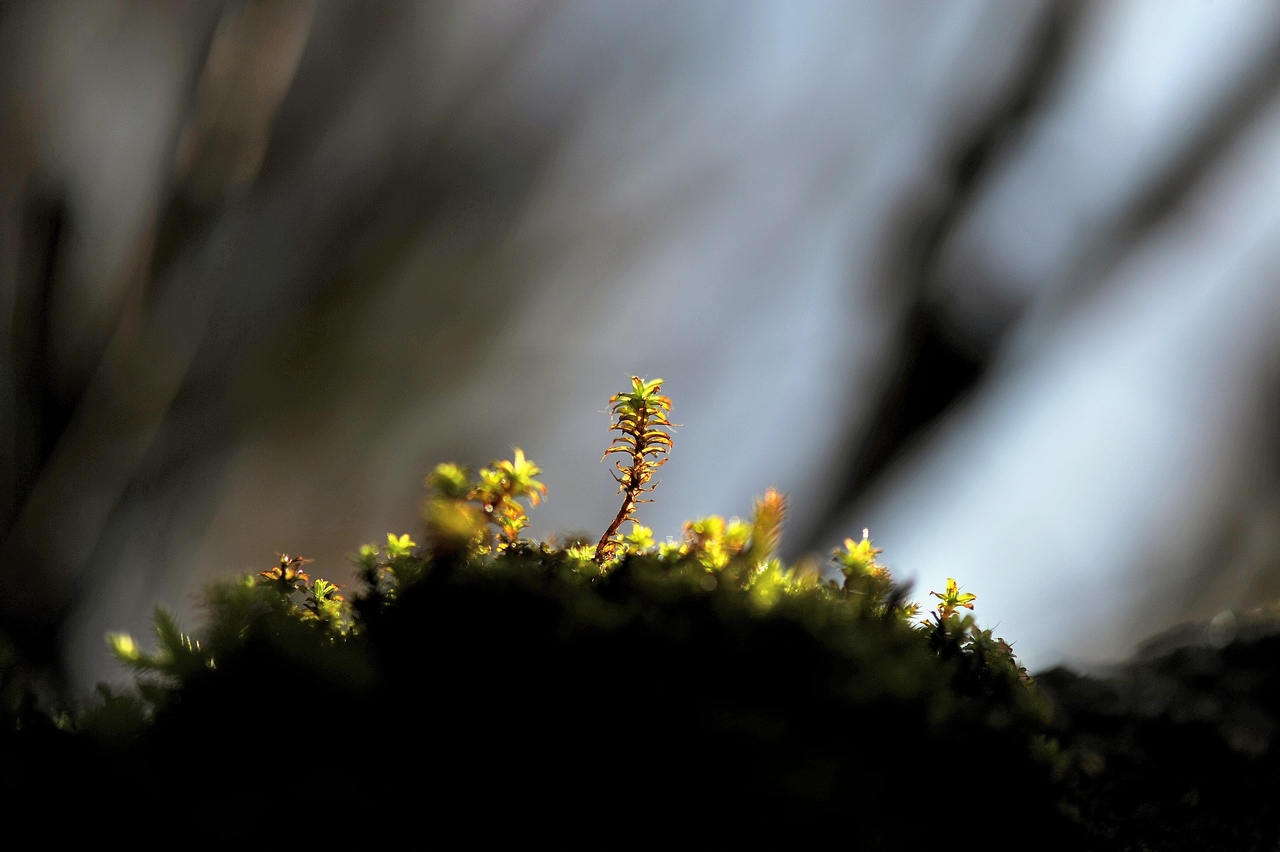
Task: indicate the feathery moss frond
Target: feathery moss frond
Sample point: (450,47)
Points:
(641,417)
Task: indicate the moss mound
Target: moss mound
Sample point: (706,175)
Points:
(514,696)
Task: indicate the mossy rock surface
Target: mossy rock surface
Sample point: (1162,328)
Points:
(641,702)
(486,687)
(509,701)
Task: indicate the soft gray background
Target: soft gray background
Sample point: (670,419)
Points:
(994,279)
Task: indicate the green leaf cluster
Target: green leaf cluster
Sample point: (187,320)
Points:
(463,505)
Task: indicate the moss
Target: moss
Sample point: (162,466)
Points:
(485,682)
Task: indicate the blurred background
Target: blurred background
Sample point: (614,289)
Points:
(993,278)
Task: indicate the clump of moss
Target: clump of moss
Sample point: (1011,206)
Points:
(517,686)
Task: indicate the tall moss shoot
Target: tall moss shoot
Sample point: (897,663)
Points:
(641,419)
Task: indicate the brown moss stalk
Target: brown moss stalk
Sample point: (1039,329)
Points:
(641,419)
